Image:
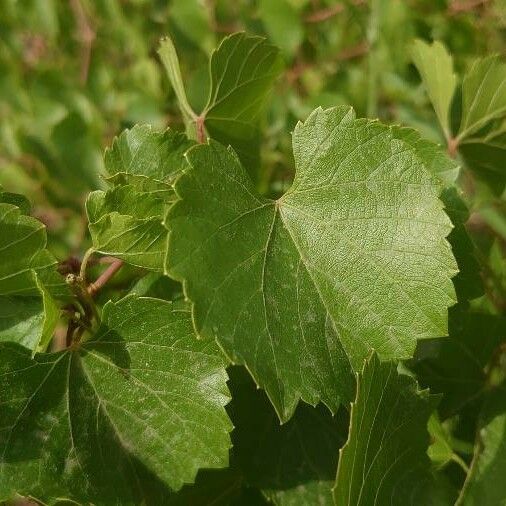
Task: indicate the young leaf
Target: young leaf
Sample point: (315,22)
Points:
(74,424)
(353,257)
(169,59)
(485,485)
(435,65)
(242,71)
(293,463)
(128,224)
(142,152)
(483,95)
(385,458)
(128,220)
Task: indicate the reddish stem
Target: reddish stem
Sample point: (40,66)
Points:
(201,134)
(97,285)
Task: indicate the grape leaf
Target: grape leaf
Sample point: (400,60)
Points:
(29,280)
(293,463)
(455,365)
(440,450)
(435,65)
(484,153)
(352,257)
(128,220)
(242,72)
(483,95)
(385,458)
(20,201)
(128,224)
(468,283)
(73,423)
(22,252)
(29,320)
(142,152)
(485,485)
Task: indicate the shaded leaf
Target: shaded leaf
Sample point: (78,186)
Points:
(294,463)
(22,252)
(455,365)
(485,485)
(384,460)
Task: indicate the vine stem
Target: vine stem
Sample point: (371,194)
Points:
(84,263)
(113,268)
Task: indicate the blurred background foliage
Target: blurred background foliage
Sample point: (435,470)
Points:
(74,73)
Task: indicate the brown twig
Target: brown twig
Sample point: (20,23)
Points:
(452,147)
(99,283)
(86,36)
(458,7)
(329,12)
(201,134)
(349,53)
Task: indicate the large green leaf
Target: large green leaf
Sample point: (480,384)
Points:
(242,72)
(385,459)
(435,65)
(485,485)
(142,392)
(294,463)
(352,258)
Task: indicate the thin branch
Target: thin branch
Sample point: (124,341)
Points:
(329,12)
(199,125)
(103,279)
(86,36)
(349,53)
(458,7)
(453,144)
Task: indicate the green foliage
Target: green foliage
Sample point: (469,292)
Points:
(385,459)
(93,410)
(240,302)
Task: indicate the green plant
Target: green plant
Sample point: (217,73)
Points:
(225,340)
